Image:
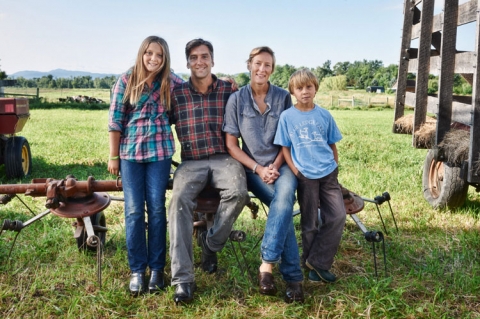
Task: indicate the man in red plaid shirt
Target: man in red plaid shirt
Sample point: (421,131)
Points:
(197,112)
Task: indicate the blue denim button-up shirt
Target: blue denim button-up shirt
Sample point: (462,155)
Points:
(243,119)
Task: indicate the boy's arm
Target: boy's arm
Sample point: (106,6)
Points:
(288,158)
(335,152)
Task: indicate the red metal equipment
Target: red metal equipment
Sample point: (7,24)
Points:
(14,150)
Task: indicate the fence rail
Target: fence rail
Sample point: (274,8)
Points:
(4,94)
(354,101)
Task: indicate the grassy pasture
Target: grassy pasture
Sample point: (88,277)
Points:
(432,262)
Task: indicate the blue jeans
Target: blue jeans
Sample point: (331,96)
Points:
(279,243)
(145,183)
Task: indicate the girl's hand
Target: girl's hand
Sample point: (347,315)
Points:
(114,166)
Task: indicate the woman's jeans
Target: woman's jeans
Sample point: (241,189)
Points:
(145,183)
(279,243)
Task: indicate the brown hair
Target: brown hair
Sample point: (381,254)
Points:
(196,43)
(300,78)
(139,76)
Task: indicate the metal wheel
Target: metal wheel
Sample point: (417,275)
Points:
(442,184)
(97,219)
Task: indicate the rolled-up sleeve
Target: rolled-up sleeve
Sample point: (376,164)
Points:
(117,107)
(230,122)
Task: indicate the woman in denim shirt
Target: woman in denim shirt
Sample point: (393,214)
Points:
(252,114)
(142,145)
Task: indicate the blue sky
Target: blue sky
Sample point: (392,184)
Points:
(103,36)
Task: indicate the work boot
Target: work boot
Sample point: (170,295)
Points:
(156,282)
(137,283)
(209,258)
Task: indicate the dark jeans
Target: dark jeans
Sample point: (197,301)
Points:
(321,244)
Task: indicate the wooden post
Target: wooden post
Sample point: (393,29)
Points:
(353,101)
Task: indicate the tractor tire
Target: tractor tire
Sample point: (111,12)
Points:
(442,185)
(18,159)
(97,219)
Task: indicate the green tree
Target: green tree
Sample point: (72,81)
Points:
(242,79)
(323,71)
(281,75)
(3,75)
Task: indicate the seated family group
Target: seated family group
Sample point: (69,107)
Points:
(286,149)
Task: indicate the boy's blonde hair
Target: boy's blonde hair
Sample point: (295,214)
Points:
(139,76)
(300,78)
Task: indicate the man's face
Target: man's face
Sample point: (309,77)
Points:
(200,62)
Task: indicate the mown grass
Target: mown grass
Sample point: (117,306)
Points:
(432,261)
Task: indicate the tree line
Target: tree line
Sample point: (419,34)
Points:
(357,74)
(78,82)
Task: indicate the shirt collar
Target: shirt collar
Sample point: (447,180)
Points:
(211,88)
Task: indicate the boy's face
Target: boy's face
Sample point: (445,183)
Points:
(304,94)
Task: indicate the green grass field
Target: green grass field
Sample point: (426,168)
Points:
(432,261)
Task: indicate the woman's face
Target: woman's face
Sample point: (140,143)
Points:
(261,68)
(153,58)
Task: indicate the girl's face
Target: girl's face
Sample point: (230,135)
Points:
(153,58)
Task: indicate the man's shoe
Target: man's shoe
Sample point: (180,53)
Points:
(184,292)
(266,284)
(317,274)
(156,282)
(294,292)
(137,283)
(209,258)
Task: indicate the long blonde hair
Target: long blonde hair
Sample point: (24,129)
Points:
(139,76)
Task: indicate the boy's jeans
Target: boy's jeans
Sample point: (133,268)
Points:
(145,183)
(279,243)
(321,245)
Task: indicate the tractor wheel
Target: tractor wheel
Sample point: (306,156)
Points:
(442,184)
(18,159)
(97,219)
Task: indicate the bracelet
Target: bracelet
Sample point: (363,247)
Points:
(114,157)
(254,168)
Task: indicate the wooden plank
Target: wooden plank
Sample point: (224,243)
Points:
(447,66)
(403,63)
(467,13)
(464,63)
(461,112)
(473,175)
(425,42)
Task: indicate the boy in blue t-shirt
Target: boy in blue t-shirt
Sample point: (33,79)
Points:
(307,134)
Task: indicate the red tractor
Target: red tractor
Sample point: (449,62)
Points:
(14,150)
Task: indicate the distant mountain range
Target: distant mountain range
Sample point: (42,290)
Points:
(58,73)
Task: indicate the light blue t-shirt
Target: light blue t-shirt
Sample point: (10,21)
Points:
(309,134)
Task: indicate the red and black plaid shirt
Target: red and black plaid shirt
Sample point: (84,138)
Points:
(198,119)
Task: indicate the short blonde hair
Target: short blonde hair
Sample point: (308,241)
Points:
(300,78)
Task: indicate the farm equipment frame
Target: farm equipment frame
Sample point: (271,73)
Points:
(445,182)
